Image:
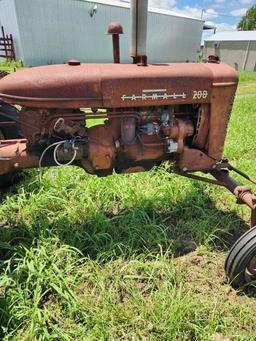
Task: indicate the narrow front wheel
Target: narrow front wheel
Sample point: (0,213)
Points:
(240,265)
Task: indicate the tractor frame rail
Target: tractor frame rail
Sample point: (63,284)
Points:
(243,193)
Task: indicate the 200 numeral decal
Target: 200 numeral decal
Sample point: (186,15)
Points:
(200,94)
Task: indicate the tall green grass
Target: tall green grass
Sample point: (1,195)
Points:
(247,82)
(86,258)
(245,76)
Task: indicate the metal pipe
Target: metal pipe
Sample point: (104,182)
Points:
(139,14)
(243,194)
(116,48)
(115,29)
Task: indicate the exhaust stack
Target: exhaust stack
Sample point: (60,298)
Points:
(139,15)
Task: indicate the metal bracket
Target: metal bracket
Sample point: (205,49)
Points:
(243,194)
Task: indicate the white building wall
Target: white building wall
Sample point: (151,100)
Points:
(8,20)
(241,55)
(53,31)
(172,38)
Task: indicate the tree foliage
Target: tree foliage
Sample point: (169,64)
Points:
(248,22)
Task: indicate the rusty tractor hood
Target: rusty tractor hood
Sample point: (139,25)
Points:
(114,85)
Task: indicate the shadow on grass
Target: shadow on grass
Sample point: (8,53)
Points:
(107,233)
(141,228)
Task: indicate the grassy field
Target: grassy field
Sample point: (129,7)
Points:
(247,85)
(131,257)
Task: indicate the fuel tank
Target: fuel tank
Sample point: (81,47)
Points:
(76,85)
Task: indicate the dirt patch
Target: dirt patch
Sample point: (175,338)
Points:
(205,276)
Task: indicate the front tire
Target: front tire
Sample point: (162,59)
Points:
(240,265)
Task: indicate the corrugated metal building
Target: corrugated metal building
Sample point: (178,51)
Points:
(53,31)
(236,48)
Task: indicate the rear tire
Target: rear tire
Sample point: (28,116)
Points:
(9,133)
(240,265)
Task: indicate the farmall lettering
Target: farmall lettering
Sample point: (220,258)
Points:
(153,94)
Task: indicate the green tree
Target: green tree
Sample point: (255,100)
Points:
(248,22)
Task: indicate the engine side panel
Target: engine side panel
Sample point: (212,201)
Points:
(54,86)
(163,84)
(113,85)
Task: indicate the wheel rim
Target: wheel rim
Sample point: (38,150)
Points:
(250,271)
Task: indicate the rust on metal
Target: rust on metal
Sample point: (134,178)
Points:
(14,155)
(74,62)
(140,60)
(213,59)
(243,194)
(202,128)
(194,160)
(115,29)
(91,85)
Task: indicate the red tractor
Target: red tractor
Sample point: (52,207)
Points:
(176,113)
